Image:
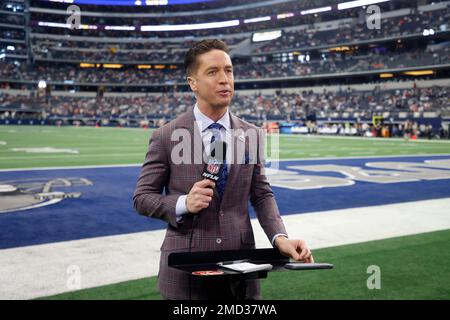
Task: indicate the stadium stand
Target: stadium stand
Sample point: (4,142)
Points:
(319,67)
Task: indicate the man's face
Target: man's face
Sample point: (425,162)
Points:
(213,81)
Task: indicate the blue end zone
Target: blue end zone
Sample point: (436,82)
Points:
(105,208)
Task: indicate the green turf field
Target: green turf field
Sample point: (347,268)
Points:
(413,267)
(107,146)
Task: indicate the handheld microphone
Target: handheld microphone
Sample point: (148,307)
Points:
(216,162)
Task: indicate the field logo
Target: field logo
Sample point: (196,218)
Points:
(19,195)
(379,172)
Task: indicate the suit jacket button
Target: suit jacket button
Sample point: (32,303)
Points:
(218,241)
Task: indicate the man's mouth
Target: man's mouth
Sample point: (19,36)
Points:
(224,92)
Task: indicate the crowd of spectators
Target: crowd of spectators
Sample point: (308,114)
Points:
(112,55)
(357,31)
(345,103)
(12,19)
(115,52)
(330,64)
(272,10)
(13,34)
(307,38)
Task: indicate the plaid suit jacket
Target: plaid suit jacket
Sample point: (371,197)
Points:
(224,225)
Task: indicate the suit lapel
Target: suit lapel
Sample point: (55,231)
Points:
(187,121)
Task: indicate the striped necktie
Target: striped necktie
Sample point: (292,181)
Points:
(216,136)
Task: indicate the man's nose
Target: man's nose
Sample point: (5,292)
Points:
(223,78)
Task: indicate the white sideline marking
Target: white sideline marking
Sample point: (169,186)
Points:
(45,150)
(41,270)
(269,160)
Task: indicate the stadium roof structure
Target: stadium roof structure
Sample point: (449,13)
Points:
(130,2)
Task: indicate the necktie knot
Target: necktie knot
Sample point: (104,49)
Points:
(215,126)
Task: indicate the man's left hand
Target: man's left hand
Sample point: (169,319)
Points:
(294,248)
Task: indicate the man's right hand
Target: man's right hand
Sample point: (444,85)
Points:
(200,196)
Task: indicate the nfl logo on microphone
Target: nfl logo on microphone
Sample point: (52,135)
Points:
(214,167)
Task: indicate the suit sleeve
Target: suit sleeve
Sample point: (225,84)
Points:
(262,197)
(149,198)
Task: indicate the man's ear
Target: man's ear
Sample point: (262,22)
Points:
(192,83)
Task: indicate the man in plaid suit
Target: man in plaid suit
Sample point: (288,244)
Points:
(217,213)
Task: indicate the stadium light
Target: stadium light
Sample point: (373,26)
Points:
(428,32)
(112,65)
(198,26)
(10,48)
(42,84)
(157,2)
(259,19)
(318,10)
(87,65)
(358,3)
(339,49)
(65,25)
(285,15)
(266,36)
(419,73)
(53,24)
(120,28)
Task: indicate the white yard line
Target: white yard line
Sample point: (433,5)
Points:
(54,156)
(74,167)
(286,135)
(42,270)
(333,157)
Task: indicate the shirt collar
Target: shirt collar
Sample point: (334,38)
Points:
(203,121)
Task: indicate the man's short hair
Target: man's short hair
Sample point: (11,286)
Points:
(199,48)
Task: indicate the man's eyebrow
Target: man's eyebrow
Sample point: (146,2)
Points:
(216,68)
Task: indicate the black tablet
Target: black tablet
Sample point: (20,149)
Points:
(307,266)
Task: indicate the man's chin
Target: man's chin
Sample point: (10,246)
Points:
(222,104)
